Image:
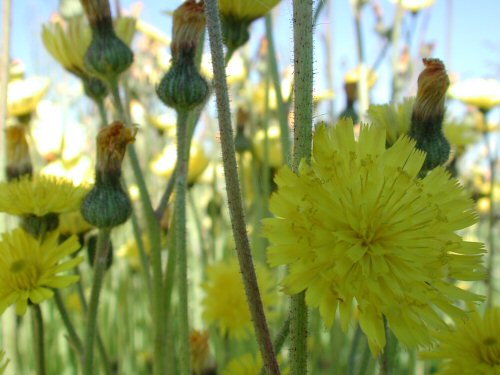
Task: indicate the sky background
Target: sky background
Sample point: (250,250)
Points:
(465,33)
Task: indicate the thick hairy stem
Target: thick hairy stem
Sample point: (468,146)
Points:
(233,191)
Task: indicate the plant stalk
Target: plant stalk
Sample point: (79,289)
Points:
(303,109)
(38,336)
(100,260)
(233,191)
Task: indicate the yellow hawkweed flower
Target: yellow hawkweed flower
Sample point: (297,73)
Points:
(274,150)
(246,10)
(482,93)
(225,304)
(23,95)
(164,163)
(247,364)
(416,5)
(30,269)
(472,347)
(166,122)
(358,225)
(40,196)
(354,75)
(73,223)
(394,118)
(68,42)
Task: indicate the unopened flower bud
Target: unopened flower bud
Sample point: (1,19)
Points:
(94,88)
(182,87)
(107,55)
(18,155)
(428,114)
(108,205)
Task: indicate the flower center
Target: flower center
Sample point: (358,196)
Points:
(19,266)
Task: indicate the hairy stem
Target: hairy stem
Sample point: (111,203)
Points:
(303,108)
(233,191)
(38,338)
(100,260)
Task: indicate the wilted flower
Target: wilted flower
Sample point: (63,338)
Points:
(18,153)
(357,224)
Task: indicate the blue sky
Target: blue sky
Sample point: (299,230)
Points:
(469,50)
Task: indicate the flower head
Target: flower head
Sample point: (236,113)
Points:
(68,41)
(189,23)
(246,10)
(225,304)
(247,364)
(472,347)
(482,93)
(395,118)
(30,268)
(358,225)
(428,114)
(416,5)
(23,95)
(200,351)
(40,196)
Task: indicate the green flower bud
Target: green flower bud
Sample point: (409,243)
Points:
(182,87)
(94,88)
(234,32)
(108,205)
(107,55)
(428,114)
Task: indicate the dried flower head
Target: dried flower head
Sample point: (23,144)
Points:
(18,153)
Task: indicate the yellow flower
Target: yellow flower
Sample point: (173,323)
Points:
(73,223)
(40,196)
(354,75)
(68,42)
(394,118)
(416,5)
(2,363)
(23,95)
(164,163)
(274,150)
(30,269)
(225,304)
(246,10)
(472,347)
(357,224)
(482,93)
(247,364)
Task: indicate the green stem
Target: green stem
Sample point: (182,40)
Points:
(199,229)
(100,344)
(101,256)
(74,339)
(395,36)
(387,358)
(180,236)
(282,111)
(303,108)
(102,113)
(170,271)
(233,191)
(155,240)
(490,294)
(36,316)
(351,363)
